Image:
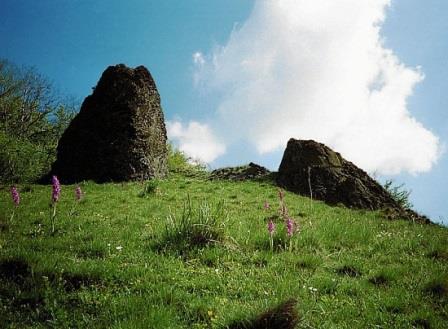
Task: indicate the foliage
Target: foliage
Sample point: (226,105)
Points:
(399,194)
(180,163)
(32,118)
(20,159)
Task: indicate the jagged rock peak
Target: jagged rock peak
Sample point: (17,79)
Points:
(313,169)
(119,133)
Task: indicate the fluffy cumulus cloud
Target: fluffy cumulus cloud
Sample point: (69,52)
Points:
(313,69)
(196,140)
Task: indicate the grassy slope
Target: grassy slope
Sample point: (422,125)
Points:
(348,269)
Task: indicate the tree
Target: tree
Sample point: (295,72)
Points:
(32,119)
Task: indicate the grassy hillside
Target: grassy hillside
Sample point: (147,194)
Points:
(139,255)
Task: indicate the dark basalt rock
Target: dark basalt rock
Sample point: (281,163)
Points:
(247,172)
(313,169)
(119,133)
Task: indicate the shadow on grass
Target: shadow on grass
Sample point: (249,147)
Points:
(380,280)
(283,316)
(30,296)
(14,269)
(349,270)
(421,323)
(437,288)
(3,226)
(437,254)
(383,278)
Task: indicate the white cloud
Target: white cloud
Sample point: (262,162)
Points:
(198,58)
(196,140)
(318,69)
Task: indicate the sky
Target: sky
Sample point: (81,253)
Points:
(238,78)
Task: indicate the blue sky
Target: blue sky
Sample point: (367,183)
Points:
(72,42)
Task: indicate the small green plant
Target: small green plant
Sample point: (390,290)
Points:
(399,194)
(196,227)
(179,163)
(149,188)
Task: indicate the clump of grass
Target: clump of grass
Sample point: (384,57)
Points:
(283,316)
(324,285)
(196,227)
(91,253)
(149,188)
(309,262)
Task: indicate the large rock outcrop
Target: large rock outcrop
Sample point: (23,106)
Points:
(313,169)
(252,171)
(119,133)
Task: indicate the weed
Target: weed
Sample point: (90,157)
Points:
(179,163)
(150,187)
(399,194)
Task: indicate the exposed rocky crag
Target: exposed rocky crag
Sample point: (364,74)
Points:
(119,133)
(247,172)
(313,169)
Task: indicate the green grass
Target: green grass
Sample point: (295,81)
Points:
(124,257)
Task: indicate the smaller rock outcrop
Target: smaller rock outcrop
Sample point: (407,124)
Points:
(313,169)
(119,133)
(248,172)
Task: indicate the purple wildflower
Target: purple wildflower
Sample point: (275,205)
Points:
(266,205)
(56,189)
(289,227)
(78,193)
(15,196)
(271,227)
